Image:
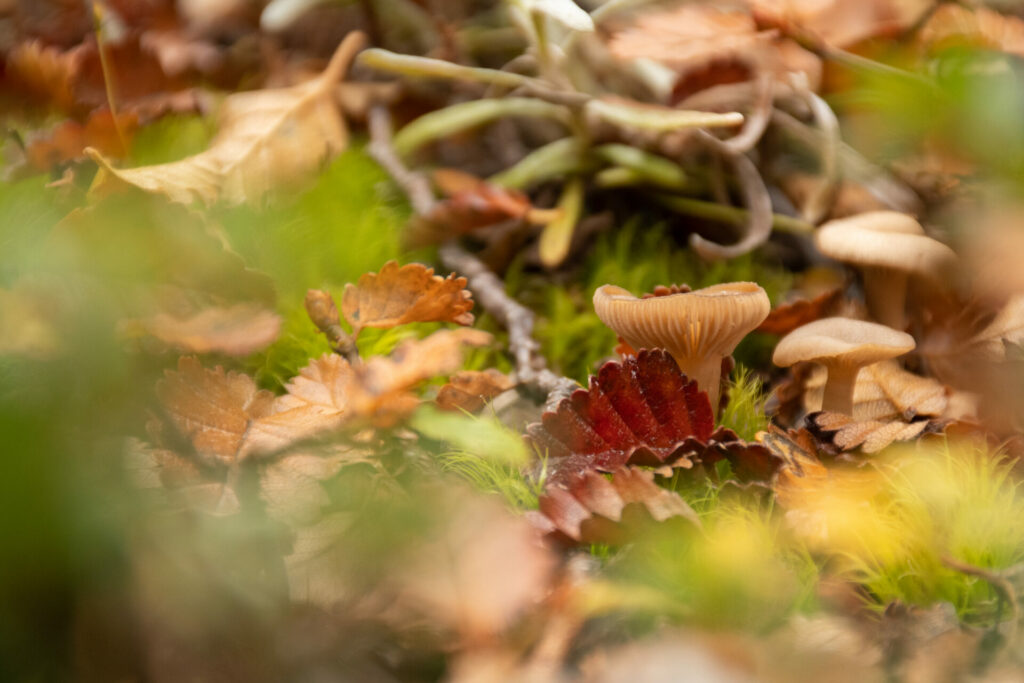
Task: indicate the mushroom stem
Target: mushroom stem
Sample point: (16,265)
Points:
(839,389)
(885,292)
(707,372)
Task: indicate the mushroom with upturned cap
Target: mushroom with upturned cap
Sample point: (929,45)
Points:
(697,328)
(887,247)
(843,346)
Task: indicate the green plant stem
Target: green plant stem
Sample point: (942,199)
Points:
(729,214)
(459,117)
(554,159)
(425,67)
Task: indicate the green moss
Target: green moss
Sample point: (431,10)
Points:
(744,413)
(943,500)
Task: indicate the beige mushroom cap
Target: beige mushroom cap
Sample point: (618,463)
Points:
(885,239)
(841,341)
(704,322)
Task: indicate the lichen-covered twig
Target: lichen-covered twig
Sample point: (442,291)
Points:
(487,288)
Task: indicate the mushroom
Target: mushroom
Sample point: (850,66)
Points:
(887,247)
(697,328)
(843,346)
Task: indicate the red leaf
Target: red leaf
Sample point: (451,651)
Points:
(641,411)
(596,509)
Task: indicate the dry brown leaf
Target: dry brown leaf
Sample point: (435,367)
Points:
(593,508)
(214,409)
(471,389)
(884,391)
(479,570)
(267,140)
(406,294)
(68,140)
(236,331)
(290,485)
(43,72)
(839,23)
(785,318)
(470,203)
(956,25)
(870,436)
(329,391)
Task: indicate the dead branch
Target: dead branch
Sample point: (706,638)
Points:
(487,288)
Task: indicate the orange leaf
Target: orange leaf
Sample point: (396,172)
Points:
(214,409)
(406,294)
(470,389)
(236,331)
(787,317)
(870,436)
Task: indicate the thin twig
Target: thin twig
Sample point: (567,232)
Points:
(1000,584)
(415,185)
(487,288)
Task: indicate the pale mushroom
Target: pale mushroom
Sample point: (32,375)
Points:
(697,328)
(887,247)
(843,346)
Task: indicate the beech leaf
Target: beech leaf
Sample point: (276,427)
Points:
(642,411)
(406,294)
(785,318)
(884,391)
(870,436)
(214,409)
(592,508)
(267,139)
(236,331)
(470,389)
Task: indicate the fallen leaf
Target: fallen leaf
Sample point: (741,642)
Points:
(471,389)
(45,73)
(290,485)
(328,392)
(67,142)
(884,391)
(980,27)
(870,436)
(839,23)
(641,411)
(267,140)
(785,318)
(398,295)
(236,331)
(593,508)
(470,204)
(477,570)
(214,409)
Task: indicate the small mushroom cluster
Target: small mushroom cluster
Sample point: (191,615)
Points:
(888,249)
(698,329)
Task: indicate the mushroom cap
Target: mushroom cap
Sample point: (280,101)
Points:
(884,239)
(841,341)
(701,323)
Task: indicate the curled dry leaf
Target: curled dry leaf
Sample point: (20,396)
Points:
(641,411)
(266,140)
(785,318)
(406,294)
(67,141)
(870,436)
(956,25)
(884,391)
(236,331)
(471,389)
(592,508)
(470,203)
(839,23)
(290,485)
